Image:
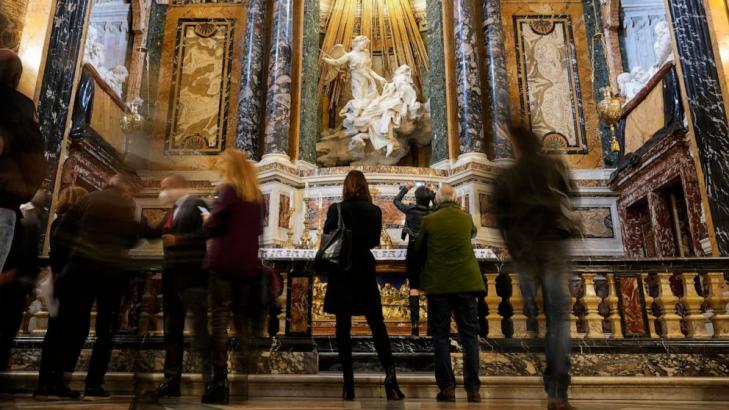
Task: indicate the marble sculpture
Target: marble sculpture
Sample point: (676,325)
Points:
(631,83)
(94,54)
(377,127)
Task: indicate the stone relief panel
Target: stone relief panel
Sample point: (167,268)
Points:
(638,20)
(198,118)
(548,82)
(549,74)
(597,222)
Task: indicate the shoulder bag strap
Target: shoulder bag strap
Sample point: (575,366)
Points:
(340,220)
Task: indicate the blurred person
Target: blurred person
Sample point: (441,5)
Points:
(233,226)
(354,292)
(97,270)
(184,281)
(23,269)
(413,216)
(22,164)
(532,207)
(453,284)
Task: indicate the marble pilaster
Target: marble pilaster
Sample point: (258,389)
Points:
(437,84)
(468,79)
(709,118)
(251,80)
(278,95)
(64,47)
(309,77)
(601,74)
(498,87)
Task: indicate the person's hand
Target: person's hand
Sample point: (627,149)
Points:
(205,216)
(169,240)
(409,184)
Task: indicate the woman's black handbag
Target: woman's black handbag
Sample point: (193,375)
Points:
(335,250)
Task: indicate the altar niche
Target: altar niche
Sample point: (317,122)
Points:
(373,84)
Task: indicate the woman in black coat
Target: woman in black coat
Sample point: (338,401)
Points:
(354,292)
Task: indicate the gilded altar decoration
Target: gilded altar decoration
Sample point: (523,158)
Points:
(198,116)
(548,81)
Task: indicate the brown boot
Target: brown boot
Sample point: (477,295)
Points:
(473,396)
(448,395)
(560,405)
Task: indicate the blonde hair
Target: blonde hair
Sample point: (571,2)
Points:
(238,172)
(69,197)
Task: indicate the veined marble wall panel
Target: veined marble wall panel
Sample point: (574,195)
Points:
(201,53)
(548,65)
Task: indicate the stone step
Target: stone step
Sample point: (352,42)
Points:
(327,385)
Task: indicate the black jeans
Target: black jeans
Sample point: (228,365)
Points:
(376,322)
(12,306)
(177,302)
(232,297)
(546,266)
(464,307)
(68,332)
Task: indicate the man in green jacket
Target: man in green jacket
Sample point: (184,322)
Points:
(452,282)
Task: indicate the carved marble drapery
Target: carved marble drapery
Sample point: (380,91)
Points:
(639,19)
(251,80)
(310,117)
(709,118)
(437,86)
(497,87)
(468,79)
(278,95)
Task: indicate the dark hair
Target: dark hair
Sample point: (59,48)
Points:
(423,196)
(526,141)
(356,186)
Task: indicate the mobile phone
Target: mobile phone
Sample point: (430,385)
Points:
(420,183)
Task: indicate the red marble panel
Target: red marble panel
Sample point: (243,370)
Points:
(661,219)
(299,307)
(631,301)
(283,211)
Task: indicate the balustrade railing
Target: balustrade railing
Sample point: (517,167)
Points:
(611,299)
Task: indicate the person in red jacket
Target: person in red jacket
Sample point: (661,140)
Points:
(233,226)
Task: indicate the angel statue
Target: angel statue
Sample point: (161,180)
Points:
(364,79)
(389,121)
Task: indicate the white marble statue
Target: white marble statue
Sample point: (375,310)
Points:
(94,54)
(377,128)
(631,83)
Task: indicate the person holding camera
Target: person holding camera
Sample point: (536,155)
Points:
(413,217)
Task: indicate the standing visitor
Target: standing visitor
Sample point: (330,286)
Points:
(184,281)
(534,214)
(97,270)
(453,284)
(413,216)
(234,226)
(354,292)
(22,164)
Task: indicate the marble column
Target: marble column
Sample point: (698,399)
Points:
(155,37)
(468,79)
(309,105)
(251,80)
(709,118)
(12,18)
(278,95)
(601,75)
(498,87)
(437,86)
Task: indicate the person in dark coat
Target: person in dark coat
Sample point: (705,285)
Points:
(184,281)
(22,163)
(233,226)
(413,216)
(533,210)
(97,270)
(354,292)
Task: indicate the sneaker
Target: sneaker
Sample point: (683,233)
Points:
(446,395)
(55,393)
(96,393)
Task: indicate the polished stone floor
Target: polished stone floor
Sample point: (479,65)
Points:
(190,403)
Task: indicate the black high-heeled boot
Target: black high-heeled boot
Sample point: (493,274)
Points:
(392,389)
(348,387)
(415,315)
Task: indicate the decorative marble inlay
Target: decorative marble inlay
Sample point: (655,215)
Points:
(299,305)
(549,84)
(183,2)
(284,215)
(631,302)
(198,118)
(484,204)
(597,222)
